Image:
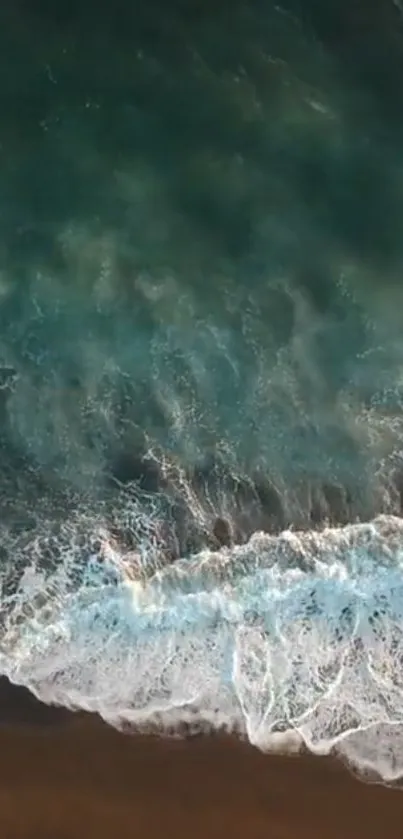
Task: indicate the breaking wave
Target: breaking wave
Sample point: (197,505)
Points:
(201,254)
(291,639)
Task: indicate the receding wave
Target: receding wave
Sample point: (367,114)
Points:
(291,639)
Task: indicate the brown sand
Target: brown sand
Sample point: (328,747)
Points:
(75,777)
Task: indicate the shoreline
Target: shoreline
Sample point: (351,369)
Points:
(67,776)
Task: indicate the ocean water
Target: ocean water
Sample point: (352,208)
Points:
(201,367)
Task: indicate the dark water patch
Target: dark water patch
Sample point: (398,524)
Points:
(128,467)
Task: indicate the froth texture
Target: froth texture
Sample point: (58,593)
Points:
(290,638)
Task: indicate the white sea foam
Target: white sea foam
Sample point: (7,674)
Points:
(296,638)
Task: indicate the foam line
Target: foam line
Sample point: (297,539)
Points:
(292,638)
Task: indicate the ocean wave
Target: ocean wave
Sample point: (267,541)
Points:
(291,639)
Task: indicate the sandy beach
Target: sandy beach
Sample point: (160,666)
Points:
(64,776)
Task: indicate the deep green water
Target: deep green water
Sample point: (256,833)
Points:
(201,212)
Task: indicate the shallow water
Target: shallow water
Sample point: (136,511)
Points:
(200,339)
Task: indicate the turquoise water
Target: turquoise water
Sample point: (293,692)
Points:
(200,328)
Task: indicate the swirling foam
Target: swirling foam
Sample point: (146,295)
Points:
(297,637)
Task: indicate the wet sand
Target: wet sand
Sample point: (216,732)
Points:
(64,776)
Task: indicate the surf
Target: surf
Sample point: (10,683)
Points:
(293,640)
